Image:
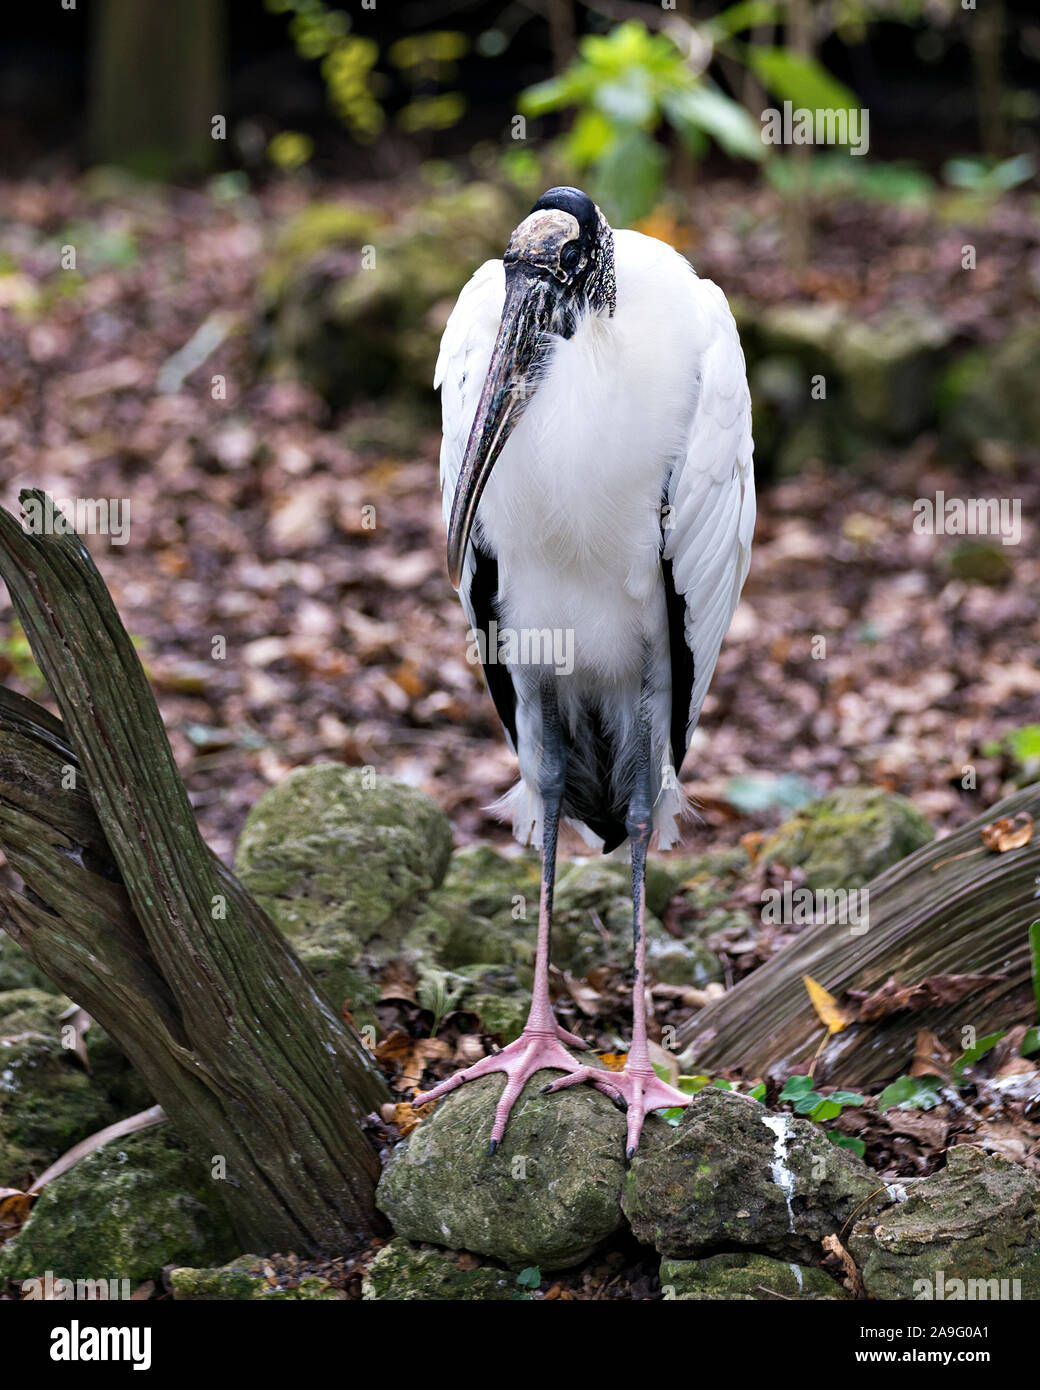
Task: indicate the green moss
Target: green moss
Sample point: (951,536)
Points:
(743,1276)
(846,839)
(125,1211)
(403,1272)
(341,860)
(244,1281)
(979,1218)
(47,1101)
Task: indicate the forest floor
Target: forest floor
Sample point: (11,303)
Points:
(857,654)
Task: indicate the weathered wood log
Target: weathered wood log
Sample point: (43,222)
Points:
(128,911)
(942,911)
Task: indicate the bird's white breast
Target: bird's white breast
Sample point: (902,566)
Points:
(573,507)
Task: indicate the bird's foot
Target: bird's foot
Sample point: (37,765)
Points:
(534,1050)
(638,1089)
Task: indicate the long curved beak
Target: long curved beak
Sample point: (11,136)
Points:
(528,314)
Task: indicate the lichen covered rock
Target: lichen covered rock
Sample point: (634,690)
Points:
(737,1276)
(402,1272)
(47,1101)
(957,1234)
(548,1197)
(846,839)
(340,858)
(124,1212)
(733,1173)
(245,1281)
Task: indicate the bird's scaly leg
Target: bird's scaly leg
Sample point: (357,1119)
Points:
(638,1086)
(540,1045)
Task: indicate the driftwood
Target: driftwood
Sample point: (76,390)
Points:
(952,908)
(127,910)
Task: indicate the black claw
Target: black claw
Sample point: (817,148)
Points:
(622,1104)
(492,1147)
(544,1090)
(630,1152)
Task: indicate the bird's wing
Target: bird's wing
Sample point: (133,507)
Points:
(462,365)
(707,530)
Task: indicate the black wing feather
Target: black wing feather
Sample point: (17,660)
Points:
(483,597)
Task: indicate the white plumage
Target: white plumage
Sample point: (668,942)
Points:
(645,406)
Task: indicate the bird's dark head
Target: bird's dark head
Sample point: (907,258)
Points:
(567,238)
(559,268)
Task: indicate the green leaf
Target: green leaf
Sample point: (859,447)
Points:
(969,1058)
(704,108)
(800,80)
(747,14)
(1031,1042)
(628,102)
(589,138)
(846,1141)
(629,179)
(911,1093)
(796,1086)
(826,1110)
(846,1097)
(530,1277)
(758,1092)
(1034,955)
(804,1105)
(1024,744)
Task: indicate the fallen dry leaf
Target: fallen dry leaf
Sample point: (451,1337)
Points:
(931,1057)
(937,991)
(833,1246)
(425,1050)
(827,1007)
(1008,832)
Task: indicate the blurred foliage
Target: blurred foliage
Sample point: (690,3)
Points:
(625,85)
(631,85)
(290,149)
(425,62)
(989,177)
(347,62)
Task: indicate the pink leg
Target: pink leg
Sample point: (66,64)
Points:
(540,1045)
(638,1086)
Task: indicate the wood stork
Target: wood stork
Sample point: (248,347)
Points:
(597,477)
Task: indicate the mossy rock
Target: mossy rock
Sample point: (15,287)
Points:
(341,859)
(740,1276)
(47,1101)
(991,394)
(975,1223)
(124,1212)
(359,323)
(244,1281)
(733,1174)
(846,839)
(548,1197)
(403,1272)
(592,924)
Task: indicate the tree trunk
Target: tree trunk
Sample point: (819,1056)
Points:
(128,911)
(155,78)
(941,911)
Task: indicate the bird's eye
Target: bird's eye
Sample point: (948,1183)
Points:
(569,255)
